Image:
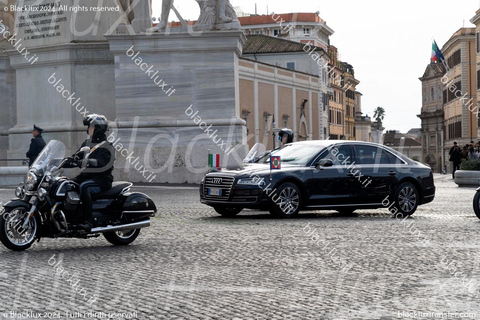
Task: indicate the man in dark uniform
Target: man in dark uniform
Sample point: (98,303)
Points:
(36,146)
(456,157)
(97,166)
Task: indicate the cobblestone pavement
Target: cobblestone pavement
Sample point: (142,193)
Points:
(194,264)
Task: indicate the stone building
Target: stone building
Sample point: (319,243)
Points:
(432,117)
(449,99)
(282,85)
(476,21)
(341,106)
(363,124)
(298,27)
(459,93)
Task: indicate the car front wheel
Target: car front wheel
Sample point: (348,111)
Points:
(286,202)
(406,199)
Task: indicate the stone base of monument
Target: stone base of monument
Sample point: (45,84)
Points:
(67,82)
(8,107)
(176,99)
(12,176)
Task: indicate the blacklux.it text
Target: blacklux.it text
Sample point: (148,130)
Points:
(208,130)
(149,71)
(16,43)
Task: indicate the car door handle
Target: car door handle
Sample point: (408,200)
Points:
(392,173)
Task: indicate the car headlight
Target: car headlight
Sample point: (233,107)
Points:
(31,180)
(251,181)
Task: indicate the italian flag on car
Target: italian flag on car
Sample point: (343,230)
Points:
(214,160)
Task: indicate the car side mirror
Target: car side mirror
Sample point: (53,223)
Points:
(324,163)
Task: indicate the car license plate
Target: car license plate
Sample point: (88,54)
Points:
(215,192)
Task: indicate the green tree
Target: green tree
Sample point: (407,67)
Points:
(379,114)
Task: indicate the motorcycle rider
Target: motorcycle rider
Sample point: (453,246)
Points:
(97,166)
(285,136)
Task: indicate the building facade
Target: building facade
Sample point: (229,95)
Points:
(337,78)
(298,27)
(282,85)
(432,117)
(449,99)
(341,77)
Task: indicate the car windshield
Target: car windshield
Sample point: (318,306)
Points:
(298,154)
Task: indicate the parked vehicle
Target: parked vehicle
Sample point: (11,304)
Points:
(49,205)
(322,175)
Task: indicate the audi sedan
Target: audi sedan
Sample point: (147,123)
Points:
(322,175)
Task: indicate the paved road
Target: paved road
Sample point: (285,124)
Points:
(193,264)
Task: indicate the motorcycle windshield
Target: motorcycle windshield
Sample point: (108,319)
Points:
(50,157)
(256,152)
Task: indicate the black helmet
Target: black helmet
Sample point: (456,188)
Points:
(100,122)
(288,132)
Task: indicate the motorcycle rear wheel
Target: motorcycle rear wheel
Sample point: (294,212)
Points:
(12,234)
(476,204)
(122,238)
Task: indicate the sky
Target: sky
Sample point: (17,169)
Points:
(388,43)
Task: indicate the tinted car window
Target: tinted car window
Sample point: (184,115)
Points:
(294,153)
(340,155)
(373,155)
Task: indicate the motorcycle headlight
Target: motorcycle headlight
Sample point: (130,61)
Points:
(42,193)
(31,180)
(19,192)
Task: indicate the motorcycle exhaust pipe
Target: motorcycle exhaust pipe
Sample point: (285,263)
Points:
(130,226)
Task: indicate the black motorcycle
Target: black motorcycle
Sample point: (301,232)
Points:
(476,203)
(49,206)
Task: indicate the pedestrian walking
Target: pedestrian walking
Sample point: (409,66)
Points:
(455,157)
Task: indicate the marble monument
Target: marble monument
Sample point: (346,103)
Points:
(75,59)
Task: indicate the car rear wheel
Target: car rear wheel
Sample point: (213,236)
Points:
(286,202)
(228,211)
(406,199)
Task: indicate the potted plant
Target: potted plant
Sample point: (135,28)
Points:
(469,174)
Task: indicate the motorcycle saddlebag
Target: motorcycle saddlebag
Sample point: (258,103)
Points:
(138,206)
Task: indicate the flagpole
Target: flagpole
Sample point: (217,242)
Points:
(270,168)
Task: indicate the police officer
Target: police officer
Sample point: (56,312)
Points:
(36,146)
(97,166)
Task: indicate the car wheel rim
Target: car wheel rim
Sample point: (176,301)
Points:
(125,234)
(14,230)
(407,199)
(289,200)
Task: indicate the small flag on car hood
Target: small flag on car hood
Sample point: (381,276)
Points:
(275,162)
(214,160)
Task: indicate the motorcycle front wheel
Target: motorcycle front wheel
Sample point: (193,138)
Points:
(12,233)
(476,204)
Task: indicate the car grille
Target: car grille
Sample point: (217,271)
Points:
(223,183)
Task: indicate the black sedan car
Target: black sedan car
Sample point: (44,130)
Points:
(322,175)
